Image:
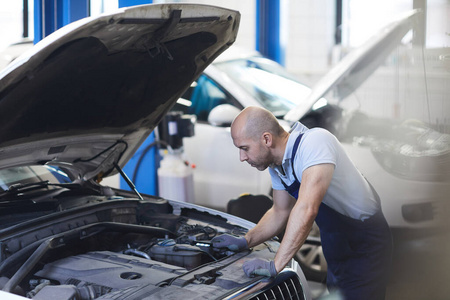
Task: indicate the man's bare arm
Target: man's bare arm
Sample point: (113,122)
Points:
(315,182)
(273,221)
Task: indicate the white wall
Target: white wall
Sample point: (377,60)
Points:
(311,37)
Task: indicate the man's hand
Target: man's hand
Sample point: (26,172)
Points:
(231,242)
(259,267)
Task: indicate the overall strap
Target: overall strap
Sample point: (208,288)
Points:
(294,151)
(294,187)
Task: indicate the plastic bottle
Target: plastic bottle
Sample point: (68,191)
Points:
(175,178)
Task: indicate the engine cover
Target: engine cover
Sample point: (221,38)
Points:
(109,270)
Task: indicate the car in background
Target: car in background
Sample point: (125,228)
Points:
(406,160)
(73,110)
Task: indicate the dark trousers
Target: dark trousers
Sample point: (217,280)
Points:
(358,254)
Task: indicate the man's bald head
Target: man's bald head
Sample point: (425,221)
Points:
(259,137)
(253,121)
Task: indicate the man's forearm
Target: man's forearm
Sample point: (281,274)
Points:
(315,182)
(297,230)
(271,224)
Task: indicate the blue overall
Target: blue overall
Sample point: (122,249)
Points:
(358,253)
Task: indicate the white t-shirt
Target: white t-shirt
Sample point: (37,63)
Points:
(349,192)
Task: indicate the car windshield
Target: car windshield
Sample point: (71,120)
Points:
(26,175)
(267,82)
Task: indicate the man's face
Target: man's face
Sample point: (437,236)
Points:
(253,151)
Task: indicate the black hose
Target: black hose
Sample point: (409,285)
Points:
(29,265)
(142,156)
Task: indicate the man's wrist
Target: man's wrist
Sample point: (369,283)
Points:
(273,269)
(243,244)
(247,240)
(277,268)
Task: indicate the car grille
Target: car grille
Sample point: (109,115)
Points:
(287,286)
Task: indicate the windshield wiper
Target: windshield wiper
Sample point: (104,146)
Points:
(19,188)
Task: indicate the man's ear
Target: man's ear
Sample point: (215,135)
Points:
(267,139)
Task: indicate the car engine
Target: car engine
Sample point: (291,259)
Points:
(143,261)
(110,259)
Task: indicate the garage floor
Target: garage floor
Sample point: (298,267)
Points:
(421,267)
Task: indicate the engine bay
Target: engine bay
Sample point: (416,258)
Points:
(116,250)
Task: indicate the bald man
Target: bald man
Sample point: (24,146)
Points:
(313,180)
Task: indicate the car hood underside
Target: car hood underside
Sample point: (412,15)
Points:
(88,95)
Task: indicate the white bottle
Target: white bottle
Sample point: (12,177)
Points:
(175,178)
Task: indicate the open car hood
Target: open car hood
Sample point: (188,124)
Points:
(347,75)
(88,95)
